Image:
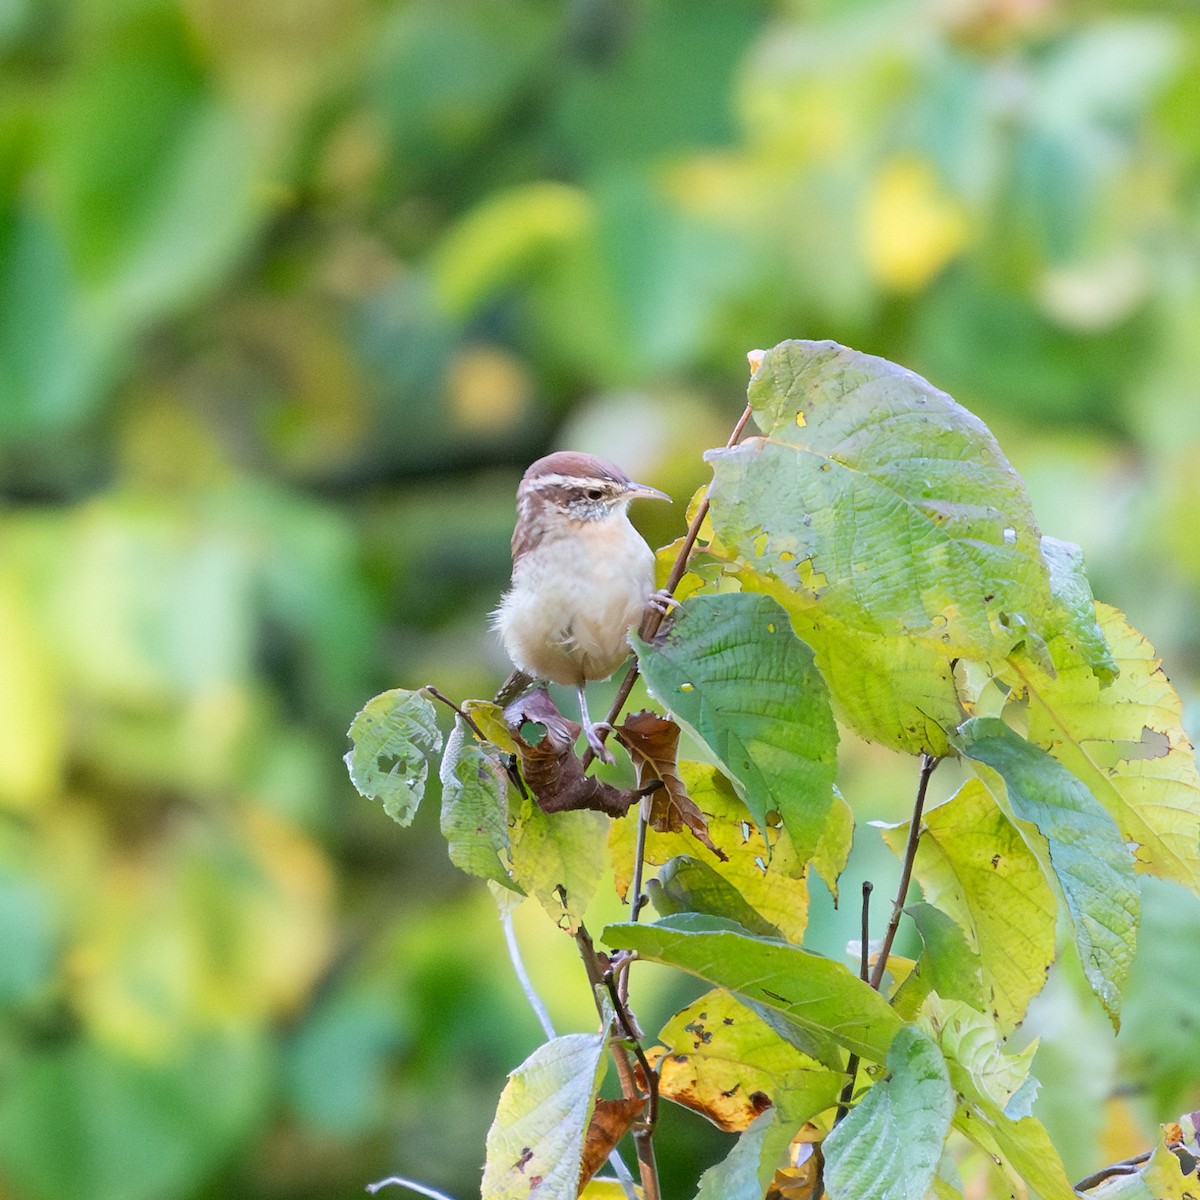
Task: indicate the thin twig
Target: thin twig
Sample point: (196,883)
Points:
(597,966)
(639,860)
(397,1181)
(632,1038)
(518,964)
(864,960)
(1127,1166)
(928,763)
(470,721)
(624,1178)
(654,618)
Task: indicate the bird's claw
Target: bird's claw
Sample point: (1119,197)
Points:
(662,601)
(595,742)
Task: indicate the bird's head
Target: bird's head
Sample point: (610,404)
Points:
(579,487)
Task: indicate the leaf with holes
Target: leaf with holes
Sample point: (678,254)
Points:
(393,735)
(719,1058)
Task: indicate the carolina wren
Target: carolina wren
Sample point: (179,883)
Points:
(582,575)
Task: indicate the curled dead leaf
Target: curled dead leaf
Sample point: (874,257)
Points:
(549,764)
(653,745)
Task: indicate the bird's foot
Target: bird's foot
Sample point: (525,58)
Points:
(595,742)
(661,601)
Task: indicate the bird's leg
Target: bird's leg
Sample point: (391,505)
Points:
(592,731)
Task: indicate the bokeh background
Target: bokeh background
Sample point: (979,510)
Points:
(290,293)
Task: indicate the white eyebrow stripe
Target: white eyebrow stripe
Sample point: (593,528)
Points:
(572,481)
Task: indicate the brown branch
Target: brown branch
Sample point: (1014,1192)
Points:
(654,618)
(468,720)
(864,956)
(928,763)
(599,973)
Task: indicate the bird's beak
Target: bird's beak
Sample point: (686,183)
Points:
(639,491)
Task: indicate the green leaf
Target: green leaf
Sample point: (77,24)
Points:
(732,671)
(474,807)
(558,859)
(974,865)
(686,884)
(882,503)
(889,1145)
(1070,587)
(54,361)
(772,882)
(948,964)
(535,1144)
(894,690)
(720,1059)
(828,1005)
(974,1042)
(392,736)
(1093,865)
(745,1171)
(1126,744)
(985,1086)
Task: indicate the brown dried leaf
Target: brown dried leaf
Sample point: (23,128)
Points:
(802,1178)
(611,1121)
(653,745)
(550,766)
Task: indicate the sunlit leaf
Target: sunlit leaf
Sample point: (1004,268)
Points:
(1093,865)
(884,503)
(474,817)
(535,1144)
(558,858)
(974,1042)
(826,1004)
(732,671)
(392,736)
(973,863)
(771,883)
(898,691)
(1126,744)
(720,1059)
(889,1145)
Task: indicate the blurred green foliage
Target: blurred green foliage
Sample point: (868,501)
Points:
(291,290)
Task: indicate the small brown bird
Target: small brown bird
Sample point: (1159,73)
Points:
(582,575)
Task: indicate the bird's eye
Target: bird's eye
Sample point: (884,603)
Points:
(595,493)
